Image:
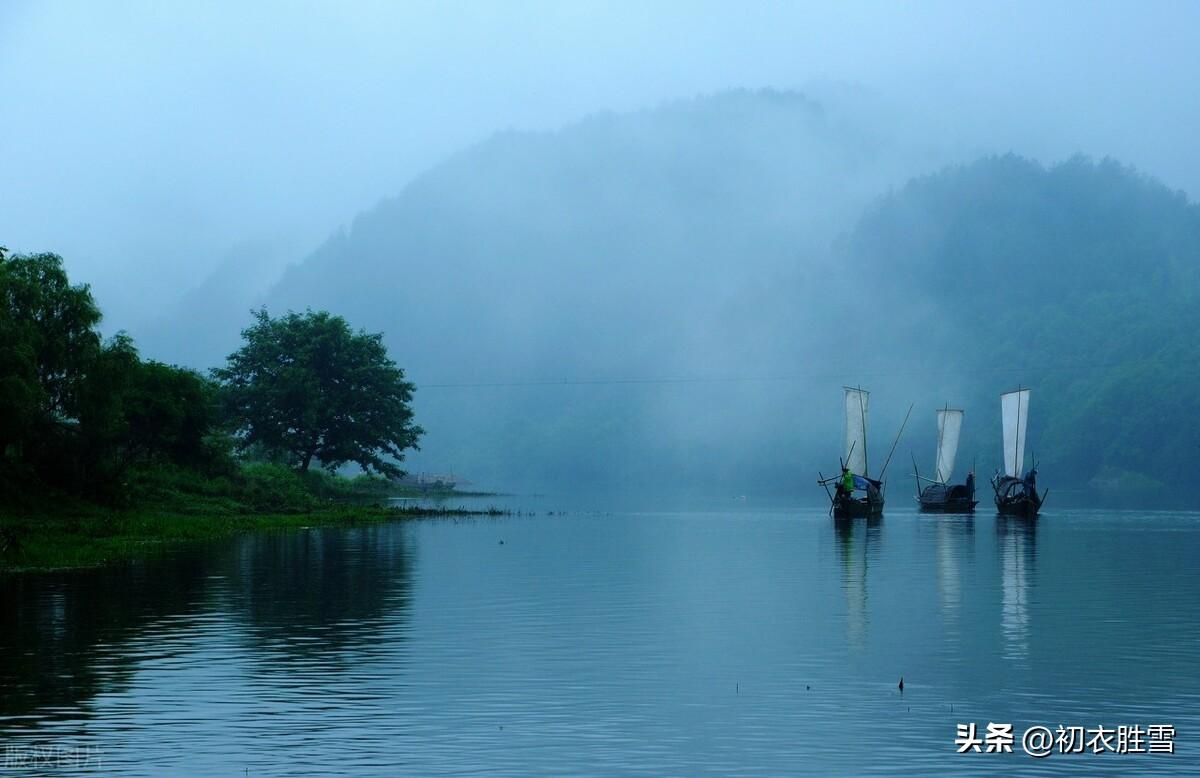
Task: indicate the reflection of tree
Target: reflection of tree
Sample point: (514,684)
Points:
(319,591)
(62,635)
(1016,543)
(857,541)
(64,639)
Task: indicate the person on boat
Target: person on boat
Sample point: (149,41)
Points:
(970,482)
(1031,482)
(845,486)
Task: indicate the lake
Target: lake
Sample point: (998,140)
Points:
(721,638)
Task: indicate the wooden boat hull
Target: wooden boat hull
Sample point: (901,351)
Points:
(937,498)
(948,506)
(856,508)
(1022,506)
(1013,498)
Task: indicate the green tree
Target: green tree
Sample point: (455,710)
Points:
(78,412)
(172,413)
(96,447)
(133,411)
(48,341)
(307,387)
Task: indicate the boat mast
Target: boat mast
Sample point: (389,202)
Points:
(937,460)
(1017,437)
(897,440)
(863,415)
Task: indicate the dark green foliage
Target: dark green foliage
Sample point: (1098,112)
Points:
(76,413)
(307,387)
(180,490)
(1022,234)
(135,412)
(361,487)
(47,343)
(1079,280)
(268,488)
(271,488)
(84,418)
(173,413)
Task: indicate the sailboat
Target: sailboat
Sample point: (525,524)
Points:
(1016,495)
(855,493)
(939,495)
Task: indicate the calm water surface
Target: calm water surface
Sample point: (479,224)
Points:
(724,640)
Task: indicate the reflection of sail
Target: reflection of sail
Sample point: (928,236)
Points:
(949,426)
(1018,556)
(856,430)
(857,541)
(1014,408)
(955,539)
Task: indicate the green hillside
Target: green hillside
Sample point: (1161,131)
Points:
(743,240)
(657,244)
(1078,280)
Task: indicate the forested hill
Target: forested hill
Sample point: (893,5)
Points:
(655,244)
(1079,280)
(548,250)
(758,250)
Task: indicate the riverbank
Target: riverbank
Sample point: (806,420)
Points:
(51,531)
(33,544)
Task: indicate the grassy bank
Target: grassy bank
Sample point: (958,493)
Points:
(42,530)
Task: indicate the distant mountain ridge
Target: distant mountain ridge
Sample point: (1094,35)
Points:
(626,245)
(779,248)
(1079,280)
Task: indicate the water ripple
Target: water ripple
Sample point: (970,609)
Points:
(651,643)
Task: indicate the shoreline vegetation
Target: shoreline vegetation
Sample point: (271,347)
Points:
(55,531)
(106,456)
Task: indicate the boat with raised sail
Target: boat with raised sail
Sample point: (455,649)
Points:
(1016,494)
(939,495)
(855,493)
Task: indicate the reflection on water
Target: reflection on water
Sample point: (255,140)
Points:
(207,626)
(858,540)
(1017,545)
(323,591)
(690,642)
(57,631)
(955,548)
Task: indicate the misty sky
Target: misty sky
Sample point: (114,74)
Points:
(144,141)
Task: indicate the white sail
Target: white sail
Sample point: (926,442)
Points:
(1014,408)
(856,430)
(949,426)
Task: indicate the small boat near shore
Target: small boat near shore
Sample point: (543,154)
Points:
(1016,494)
(939,495)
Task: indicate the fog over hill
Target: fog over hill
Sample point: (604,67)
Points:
(1079,280)
(672,298)
(662,244)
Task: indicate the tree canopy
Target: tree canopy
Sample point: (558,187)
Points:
(308,388)
(77,411)
(1078,280)
(47,341)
